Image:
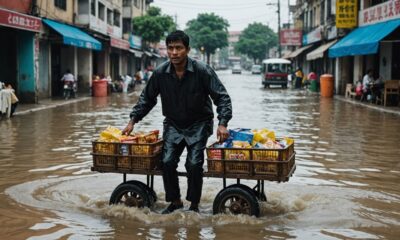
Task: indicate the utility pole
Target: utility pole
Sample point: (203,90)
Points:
(278,4)
(279,30)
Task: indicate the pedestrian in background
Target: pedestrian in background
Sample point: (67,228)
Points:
(186,87)
(299,78)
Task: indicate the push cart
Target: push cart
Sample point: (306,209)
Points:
(225,163)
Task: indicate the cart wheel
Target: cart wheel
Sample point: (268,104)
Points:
(150,192)
(130,195)
(260,197)
(236,200)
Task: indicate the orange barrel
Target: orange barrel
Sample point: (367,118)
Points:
(99,88)
(326,82)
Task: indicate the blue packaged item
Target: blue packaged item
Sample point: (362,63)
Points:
(241,134)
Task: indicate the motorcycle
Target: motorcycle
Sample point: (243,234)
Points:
(70,89)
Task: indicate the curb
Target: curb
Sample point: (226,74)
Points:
(51,106)
(367,105)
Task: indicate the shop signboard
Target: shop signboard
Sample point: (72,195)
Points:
(290,37)
(346,13)
(135,41)
(119,43)
(313,36)
(18,20)
(380,13)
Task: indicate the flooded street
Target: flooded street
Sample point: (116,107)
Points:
(346,185)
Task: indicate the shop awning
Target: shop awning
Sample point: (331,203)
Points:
(297,52)
(319,52)
(137,53)
(74,36)
(363,40)
(287,55)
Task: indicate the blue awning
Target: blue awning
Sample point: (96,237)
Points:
(74,36)
(363,40)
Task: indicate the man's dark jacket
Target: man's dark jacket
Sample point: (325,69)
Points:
(186,102)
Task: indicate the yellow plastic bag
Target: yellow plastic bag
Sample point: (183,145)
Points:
(111,134)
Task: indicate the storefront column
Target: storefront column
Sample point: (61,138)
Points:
(26,69)
(385,61)
(84,75)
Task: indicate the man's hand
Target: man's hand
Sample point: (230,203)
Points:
(129,128)
(222,133)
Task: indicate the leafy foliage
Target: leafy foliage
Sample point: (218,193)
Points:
(208,32)
(153,26)
(256,40)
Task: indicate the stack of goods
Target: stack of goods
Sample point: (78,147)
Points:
(256,139)
(113,134)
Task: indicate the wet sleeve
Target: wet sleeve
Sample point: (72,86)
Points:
(147,100)
(220,97)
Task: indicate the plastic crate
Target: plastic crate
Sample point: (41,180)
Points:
(252,161)
(112,156)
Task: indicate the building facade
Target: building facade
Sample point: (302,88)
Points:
(44,39)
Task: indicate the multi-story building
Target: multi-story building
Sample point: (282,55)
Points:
(42,39)
(362,35)
(19,54)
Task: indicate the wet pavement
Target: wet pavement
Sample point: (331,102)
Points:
(345,186)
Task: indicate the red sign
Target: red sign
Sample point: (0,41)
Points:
(119,43)
(291,37)
(385,11)
(18,20)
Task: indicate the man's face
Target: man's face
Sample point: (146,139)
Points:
(177,52)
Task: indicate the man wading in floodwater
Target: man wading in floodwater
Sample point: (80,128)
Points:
(185,86)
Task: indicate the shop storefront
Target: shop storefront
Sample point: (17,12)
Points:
(373,45)
(19,53)
(70,49)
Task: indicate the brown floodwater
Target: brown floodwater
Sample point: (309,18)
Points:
(346,185)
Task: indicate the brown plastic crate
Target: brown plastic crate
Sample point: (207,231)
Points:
(116,162)
(104,161)
(214,165)
(146,149)
(273,162)
(104,147)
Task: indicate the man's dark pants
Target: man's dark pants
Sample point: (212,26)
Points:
(194,169)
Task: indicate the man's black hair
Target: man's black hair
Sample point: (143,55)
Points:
(178,35)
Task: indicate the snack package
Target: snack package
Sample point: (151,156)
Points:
(112,134)
(241,134)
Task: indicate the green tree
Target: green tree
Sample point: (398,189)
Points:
(256,40)
(207,33)
(153,26)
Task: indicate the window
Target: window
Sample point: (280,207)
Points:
(93,7)
(136,3)
(101,10)
(109,16)
(126,25)
(127,3)
(117,17)
(62,4)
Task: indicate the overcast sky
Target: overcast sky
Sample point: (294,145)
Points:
(239,13)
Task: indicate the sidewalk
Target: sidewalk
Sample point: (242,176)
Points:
(381,108)
(25,108)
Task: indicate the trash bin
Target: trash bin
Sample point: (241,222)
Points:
(313,86)
(326,82)
(100,88)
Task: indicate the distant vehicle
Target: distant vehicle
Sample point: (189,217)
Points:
(237,69)
(223,67)
(275,71)
(256,69)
